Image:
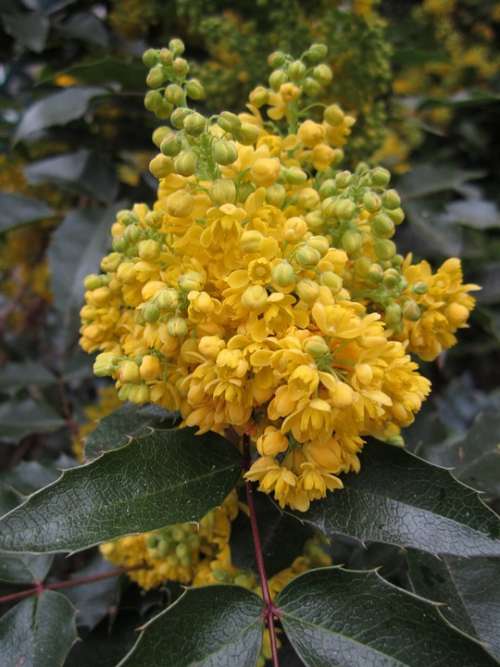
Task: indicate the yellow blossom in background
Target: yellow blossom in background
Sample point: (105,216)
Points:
(262,292)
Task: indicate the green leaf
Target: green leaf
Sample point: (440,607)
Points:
(21,418)
(29,29)
(488,277)
(430,238)
(342,618)
(282,537)
(428,179)
(17,210)
(400,499)
(467,587)
(168,477)
(76,249)
(129,422)
(38,632)
(28,476)
(15,376)
(479,214)
(57,109)
(86,27)
(84,172)
(212,626)
(128,73)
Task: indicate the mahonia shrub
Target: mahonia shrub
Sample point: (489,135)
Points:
(262,294)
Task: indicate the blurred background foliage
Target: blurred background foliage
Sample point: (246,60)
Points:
(422,79)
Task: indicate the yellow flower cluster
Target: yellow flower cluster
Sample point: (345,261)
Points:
(262,291)
(106,403)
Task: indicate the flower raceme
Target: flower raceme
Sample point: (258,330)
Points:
(262,292)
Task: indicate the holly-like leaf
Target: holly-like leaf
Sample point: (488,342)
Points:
(428,179)
(400,499)
(476,213)
(342,618)
(130,421)
(282,537)
(57,109)
(21,418)
(29,29)
(469,589)
(213,626)
(24,374)
(17,210)
(168,477)
(38,632)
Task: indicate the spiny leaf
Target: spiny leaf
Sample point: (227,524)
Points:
(215,626)
(403,500)
(342,618)
(167,477)
(17,210)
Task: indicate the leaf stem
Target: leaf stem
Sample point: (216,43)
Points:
(70,583)
(270,610)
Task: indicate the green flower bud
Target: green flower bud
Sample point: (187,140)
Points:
(391,199)
(133,233)
(320,243)
(308,290)
(195,123)
(351,241)
(316,346)
(151,312)
(185,163)
(191,280)
(391,278)
(314,221)
(362,266)
(156,76)
(105,364)
(259,96)
(397,261)
(244,191)
(254,297)
(411,311)
(397,215)
(345,209)
(111,262)
(323,74)
(295,175)
(160,134)
(283,274)
(333,115)
(371,202)
(92,282)
(195,90)
(164,109)
(277,79)
(180,66)
(276,59)
(150,57)
(393,315)
(225,152)
(120,245)
(174,94)
(296,70)
(166,56)
(328,188)
(316,53)
(247,134)
(382,226)
(161,166)
(307,257)
(276,195)
(311,87)
(328,207)
(420,288)
(376,273)
(167,299)
(343,179)
(152,100)
(176,45)
(380,177)
(177,326)
(178,116)
(223,191)
(171,145)
(152,541)
(331,280)
(384,249)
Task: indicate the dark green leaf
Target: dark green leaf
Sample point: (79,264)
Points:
(15,376)
(56,109)
(213,626)
(428,179)
(38,632)
(21,418)
(167,477)
(130,421)
(130,74)
(462,99)
(86,27)
(75,250)
(282,537)
(342,618)
(29,476)
(400,499)
(423,232)
(29,29)
(468,587)
(489,278)
(17,210)
(476,213)
(84,172)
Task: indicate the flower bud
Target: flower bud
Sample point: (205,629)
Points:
(382,226)
(153,100)
(225,152)
(247,134)
(320,243)
(210,346)
(420,288)
(265,171)
(351,241)
(195,123)
(311,87)
(185,163)
(272,442)
(323,74)
(191,280)
(167,299)
(391,278)
(411,311)
(92,282)
(160,134)
(150,57)
(397,215)
(150,367)
(311,133)
(138,394)
(171,145)
(180,203)
(308,198)
(391,199)
(380,177)
(223,191)
(283,274)
(307,257)
(393,315)
(332,281)
(156,76)
(376,273)
(259,96)
(177,117)
(343,179)
(296,70)
(316,52)
(177,327)
(316,346)
(364,373)
(294,175)
(161,166)
(277,79)
(345,209)
(371,201)
(276,195)
(195,90)
(111,262)
(457,314)
(151,312)
(149,250)
(333,115)
(250,241)
(276,59)
(314,221)
(308,290)
(128,371)
(166,56)
(174,94)
(329,187)
(105,364)
(180,66)
(384,249)
(254,297)
(294,229)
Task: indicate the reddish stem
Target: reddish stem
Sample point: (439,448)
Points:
(70,583)
(270,610)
